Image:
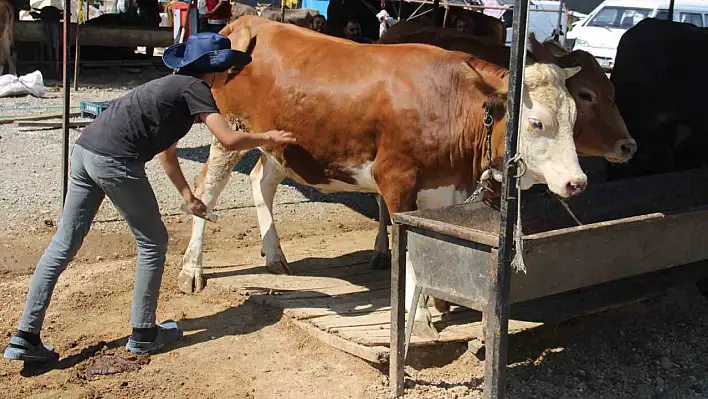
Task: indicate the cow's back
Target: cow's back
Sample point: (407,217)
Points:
(660,86)
(448,39)
(339,94)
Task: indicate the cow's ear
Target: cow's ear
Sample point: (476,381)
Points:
(570,72)
(539,51)
(497,104)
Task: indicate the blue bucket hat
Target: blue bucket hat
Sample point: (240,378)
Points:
(204,52)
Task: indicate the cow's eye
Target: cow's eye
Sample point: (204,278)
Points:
(537,124)
(585,96)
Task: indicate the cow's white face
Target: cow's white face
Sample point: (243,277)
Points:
(546,143)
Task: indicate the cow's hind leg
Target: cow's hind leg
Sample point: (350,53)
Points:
(209,183)
(265,177)
(382,252)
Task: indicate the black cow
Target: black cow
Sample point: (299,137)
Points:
(661,85)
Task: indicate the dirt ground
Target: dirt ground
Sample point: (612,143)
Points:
(236,348)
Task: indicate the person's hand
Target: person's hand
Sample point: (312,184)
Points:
(280,136)
(196,206)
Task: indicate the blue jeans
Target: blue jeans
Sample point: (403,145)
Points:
(92,178)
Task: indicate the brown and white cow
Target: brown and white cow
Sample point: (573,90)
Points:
(404,121)
(600,130)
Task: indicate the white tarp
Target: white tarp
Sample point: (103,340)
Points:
(32,84)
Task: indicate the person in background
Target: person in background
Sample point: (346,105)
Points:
(352,31)
(109,159)
(319,23)
(214,15)
(464,24)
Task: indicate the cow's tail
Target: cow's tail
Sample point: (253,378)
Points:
(242,39)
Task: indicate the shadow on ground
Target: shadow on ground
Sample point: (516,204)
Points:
(242,319)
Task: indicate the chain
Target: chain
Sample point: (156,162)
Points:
(488,173)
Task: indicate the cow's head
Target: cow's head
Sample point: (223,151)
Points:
(546,143)
(600,130)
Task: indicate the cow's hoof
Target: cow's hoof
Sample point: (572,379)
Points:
(278,267)
(441,305)
(191,281)
(380,261)
(425,329)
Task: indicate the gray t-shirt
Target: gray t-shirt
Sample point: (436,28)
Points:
(148,119)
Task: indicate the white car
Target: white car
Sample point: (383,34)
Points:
(600,32)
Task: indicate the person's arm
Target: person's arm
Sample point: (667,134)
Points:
(236,140)
(170,163)
(201,102)
(219,5)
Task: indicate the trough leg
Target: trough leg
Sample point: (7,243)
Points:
(265,178)
(411,317)
(398,282)
(209,183)
(418,310)
(382,255)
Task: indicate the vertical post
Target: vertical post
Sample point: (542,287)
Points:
(671,10)
(398,297)
(498,307)
(77,54)
(560,20)
(67,105)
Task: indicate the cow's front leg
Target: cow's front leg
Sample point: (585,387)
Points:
(265,177)
(382,252)
(400,193)
(209,183)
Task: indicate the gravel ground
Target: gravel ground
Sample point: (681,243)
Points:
(31,160)
(656,352)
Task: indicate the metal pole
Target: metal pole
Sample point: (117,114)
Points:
(560,21)
(77,55)
(67,105)
(498,306)
(671,10)
(397,349)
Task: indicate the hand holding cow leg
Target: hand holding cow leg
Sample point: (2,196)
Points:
(382,253)
(209,183)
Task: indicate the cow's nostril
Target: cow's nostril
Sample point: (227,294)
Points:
(627,148)
(575,187)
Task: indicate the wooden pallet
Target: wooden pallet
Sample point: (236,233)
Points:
(339,300)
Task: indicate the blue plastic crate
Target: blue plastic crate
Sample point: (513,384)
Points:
(91,109)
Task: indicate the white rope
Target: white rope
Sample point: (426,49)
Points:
(518,262)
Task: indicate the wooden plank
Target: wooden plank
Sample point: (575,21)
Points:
(562,261)
(104,36)
(382,318)
(382,337)
(330,292)
(347,300)
(52,124)
(301,312)
(374,354)
(4,121)
(309,265)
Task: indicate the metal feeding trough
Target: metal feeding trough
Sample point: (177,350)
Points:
(612,231)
